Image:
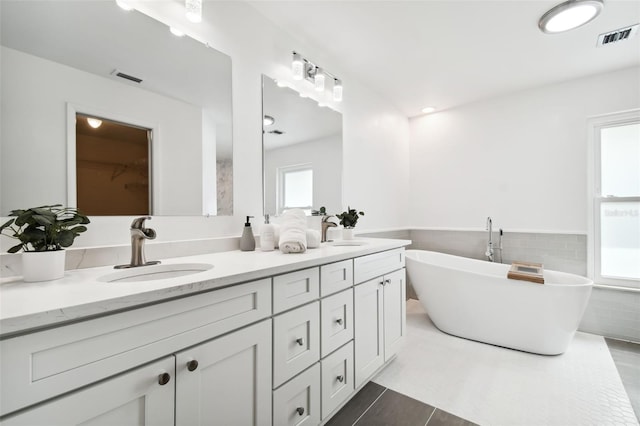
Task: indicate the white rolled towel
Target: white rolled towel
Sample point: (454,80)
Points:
(293,232)
(313,238)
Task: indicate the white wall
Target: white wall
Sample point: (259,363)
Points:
(34,132)
(325,157)
(520,158)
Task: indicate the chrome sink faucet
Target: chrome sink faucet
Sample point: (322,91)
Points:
(489,252)
(325,226)
(138,236)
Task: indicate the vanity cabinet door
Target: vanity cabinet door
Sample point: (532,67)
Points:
(395,313)
(144,396)
(226,381)
(368,323)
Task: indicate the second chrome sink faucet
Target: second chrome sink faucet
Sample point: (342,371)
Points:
(138,236)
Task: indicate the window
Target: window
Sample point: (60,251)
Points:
(295,188)
(615,188)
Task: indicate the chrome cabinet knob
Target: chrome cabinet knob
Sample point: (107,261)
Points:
(164,378)
(387,282)
(192,365)
(339,321)
(300,411)
(340,379)
(300,341)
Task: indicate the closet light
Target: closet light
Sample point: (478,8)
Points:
(337,90)
(297,66)
(176,32)
(569,15)
(124,5)
(318,79)
(193,10)
(94,122)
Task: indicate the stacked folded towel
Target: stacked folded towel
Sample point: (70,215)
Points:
(293,235)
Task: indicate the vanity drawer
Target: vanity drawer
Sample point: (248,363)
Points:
(377,264)
(40,365)
(296,342)
(336,321)
(295,289)
(335,277)
(337,378)
(298,402)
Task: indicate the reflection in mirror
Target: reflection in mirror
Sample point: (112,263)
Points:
(65,58)
(302,152)
(112,167)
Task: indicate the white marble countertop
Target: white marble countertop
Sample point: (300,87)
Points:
(80,294)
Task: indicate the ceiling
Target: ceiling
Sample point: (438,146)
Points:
(449,53)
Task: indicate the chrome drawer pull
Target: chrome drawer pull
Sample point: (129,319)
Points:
(339,321)
(300,341)
(300,411)
(340,379)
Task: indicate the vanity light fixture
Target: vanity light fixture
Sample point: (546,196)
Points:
(193,10)
(124,5)
(569,15)
(337,90)
(176,32)
(318,80)
(268,120)
(94,122)
(297,66)
(302,68)
(428,110)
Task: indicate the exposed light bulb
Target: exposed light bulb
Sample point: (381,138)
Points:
(124,5)
(337,90)
(570,15)
(318,80)
(176,32)
(94,122)
(428,110)
(193,10)
(297,66)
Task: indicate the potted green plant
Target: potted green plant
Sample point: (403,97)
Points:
(349,219)
(43,233)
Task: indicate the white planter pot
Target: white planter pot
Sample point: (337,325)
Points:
(347,234)
(42,265)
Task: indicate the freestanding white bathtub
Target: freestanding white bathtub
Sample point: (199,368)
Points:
(474,299)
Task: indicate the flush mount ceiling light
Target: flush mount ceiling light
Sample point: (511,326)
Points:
(94,122)
(193,10)
(569,15)
(302,68)
(124,5)
(268,120)
(428,110)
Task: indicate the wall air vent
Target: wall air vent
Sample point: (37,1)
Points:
(617,35)
(126,76)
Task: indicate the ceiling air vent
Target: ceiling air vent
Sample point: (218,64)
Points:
(617,35)
(126,76)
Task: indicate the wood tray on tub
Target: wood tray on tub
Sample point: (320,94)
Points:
(526,271)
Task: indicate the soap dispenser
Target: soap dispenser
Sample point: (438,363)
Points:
(247,241)
(267,235)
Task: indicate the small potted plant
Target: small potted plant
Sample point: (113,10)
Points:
(43,233)
(349,219)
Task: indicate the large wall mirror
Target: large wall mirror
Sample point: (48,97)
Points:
(65,62)
(302,152)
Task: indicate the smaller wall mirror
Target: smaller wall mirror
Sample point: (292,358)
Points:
(302,152)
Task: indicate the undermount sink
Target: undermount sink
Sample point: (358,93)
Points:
(155,272)
(347,243)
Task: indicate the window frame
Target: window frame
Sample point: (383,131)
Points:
(596,198)
(281,172)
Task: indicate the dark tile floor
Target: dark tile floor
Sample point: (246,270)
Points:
(375,405)
(626,356)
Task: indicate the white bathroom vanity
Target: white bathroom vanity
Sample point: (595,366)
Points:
(259,338)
